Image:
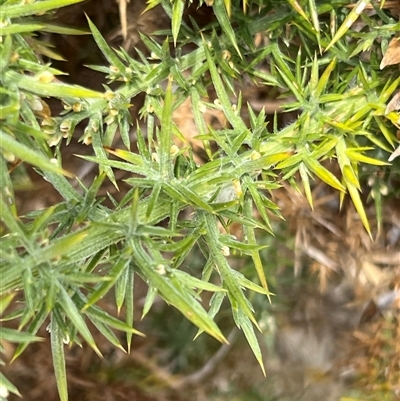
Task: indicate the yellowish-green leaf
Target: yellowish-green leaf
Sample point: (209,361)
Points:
(126,155)
(118,268)
(40,85)
(108,334)
(248,330)
(223,96)
(20,28)
(385,95)
(291,83)
(64,30)
(177,296)
(120,289)
(289,161)
(251,238)
(57,350)
(109,54)
(315,21)
(73,314)
(228,5)
(324,79)
(324,148)
(99,315)
(33,328)
(350,176)
(258,199)
(16,336)
(29,155)
(297,7)
(250,285)
(129,306)
(151,4)
(306,183)
(39,7)
(222,15)
(194,282)
(387,133)
(357,156)
(5,300)
(165,134)
(229,280)
(324,174)
(266,161)
(149,300)
(215,305)
(6,384)
(355,197)
(349,21)
(62,247)
(177,11)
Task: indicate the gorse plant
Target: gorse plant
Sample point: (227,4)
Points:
(60,261)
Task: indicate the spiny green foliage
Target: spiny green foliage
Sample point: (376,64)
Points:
(314,60)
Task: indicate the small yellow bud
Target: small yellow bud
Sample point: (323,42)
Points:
(202,107)
(87,140)
(255,155)
(160,269)
(54,140)
(45,77)
(109,119)
(65,126)
(174,150)
(237,187)
(77,107)
(113,69)
(109,95)
(225,250)
(226,55)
